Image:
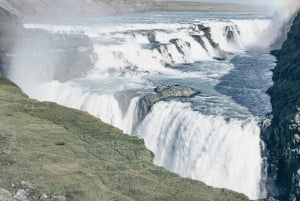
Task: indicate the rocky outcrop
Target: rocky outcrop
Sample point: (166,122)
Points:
(281,130)
(205,31)
(152,37)
(163,92)
(229,32)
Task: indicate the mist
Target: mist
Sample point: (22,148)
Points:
(286,8)
(41,57)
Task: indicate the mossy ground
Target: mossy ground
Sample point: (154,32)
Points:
(61,151)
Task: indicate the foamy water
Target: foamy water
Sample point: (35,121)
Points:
(212,137)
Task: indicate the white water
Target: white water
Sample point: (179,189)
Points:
(121,46)
(215,141)
(203,147)
(208,148)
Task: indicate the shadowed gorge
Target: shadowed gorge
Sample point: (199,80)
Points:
(281,133)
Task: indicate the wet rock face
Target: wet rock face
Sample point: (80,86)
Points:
(152,37)
(229,33)
(206,32)
(282,133)
(163,92)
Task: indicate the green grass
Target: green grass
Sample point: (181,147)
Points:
(61,151)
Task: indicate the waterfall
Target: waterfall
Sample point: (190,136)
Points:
(220,150)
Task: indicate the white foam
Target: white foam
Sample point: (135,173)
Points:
(208,148)
(221,153)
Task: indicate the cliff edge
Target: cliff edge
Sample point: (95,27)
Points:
(49,152)
(281,131)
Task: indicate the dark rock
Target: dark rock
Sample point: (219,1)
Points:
(199,39)
(207,34)
(203,28)
(60,144)
(162,93)
(221,58)
(152,37)
(281,133)
(229,30)
(178,46)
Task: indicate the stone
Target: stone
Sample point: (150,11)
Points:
(7,151)
(43,196)
(21,195)
(5,195)
(163,92)
(59,198)
(200,40)
(152,37)
(297,138)
(229,30)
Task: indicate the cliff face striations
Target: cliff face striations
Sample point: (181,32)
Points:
(281,132)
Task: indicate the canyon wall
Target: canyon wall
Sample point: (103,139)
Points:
(281,130)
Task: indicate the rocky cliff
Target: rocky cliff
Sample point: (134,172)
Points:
(282,128)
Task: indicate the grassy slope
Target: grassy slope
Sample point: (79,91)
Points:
(67,152)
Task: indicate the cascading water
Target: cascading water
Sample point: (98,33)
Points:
(209,137)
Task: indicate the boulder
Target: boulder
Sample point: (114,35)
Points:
(163,92)
(21,195)
(152,37)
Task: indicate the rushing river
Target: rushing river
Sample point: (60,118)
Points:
(213,137)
